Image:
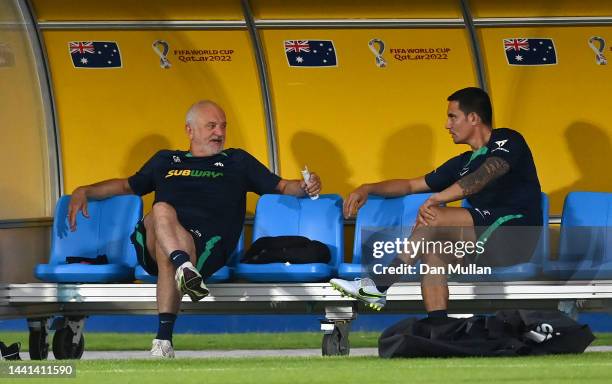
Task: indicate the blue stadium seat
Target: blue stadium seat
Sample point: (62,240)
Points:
(523,271)
(282,215)
(106,232)
(385,219)
(585,244)
(222,275)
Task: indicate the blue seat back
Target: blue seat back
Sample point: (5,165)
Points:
(586,227)
(105,232)
(394,217)
(321,219)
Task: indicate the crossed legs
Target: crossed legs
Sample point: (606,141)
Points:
(164,235)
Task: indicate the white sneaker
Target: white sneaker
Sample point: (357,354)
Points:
(361,289)
(189,281)
(162,348)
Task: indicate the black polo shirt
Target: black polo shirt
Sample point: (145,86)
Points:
(518,189)
(206,192)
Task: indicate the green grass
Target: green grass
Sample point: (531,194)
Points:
(603,339)
(586,368)
(95,341)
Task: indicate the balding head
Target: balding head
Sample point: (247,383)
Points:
(200,107)
(205,125)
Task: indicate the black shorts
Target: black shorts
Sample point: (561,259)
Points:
(510,236)
(210,250)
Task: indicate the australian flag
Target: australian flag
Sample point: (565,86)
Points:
(95,54)
(310,53)
(521,51)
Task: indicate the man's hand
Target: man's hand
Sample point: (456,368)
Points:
(355,201)
(78,203)
(426,213)
(313,187)
(98,191)
(299,187)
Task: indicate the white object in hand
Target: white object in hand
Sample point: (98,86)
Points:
(306,177)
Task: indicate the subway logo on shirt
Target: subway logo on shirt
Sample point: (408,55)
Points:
(193,173)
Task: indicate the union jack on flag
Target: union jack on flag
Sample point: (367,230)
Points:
(82,47)
(297,46)
(516,44)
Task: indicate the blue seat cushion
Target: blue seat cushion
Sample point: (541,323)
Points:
(350,271)
(221,276)
(284,273)
(144,276)
(75,273)
(578,270)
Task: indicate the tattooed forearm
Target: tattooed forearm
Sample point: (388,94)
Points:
(490,170)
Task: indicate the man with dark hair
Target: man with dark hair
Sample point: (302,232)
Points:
(498,179)
(474,100)
(198,213)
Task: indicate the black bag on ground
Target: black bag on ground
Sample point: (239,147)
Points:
(287,249)
(507,333)
(10,352)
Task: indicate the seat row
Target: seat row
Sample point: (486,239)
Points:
(585,246)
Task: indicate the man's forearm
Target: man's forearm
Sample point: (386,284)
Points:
(106,188)
(390,188)
(491,169)
(291,187)
(452,193)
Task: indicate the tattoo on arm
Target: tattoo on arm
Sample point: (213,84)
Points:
(490,170)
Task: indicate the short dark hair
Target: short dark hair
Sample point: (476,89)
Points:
(475,100)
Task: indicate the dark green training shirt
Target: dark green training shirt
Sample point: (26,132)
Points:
(518,189)
(207,192)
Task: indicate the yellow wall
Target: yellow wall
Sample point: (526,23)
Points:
(352,124)
(112,120)
(562,110)
(357,122)
(538,8)
(80,10)
(348,9)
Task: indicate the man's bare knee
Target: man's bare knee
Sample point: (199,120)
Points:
(170,235)
(163,218)
(162,210)
(450,217)
(439,217)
